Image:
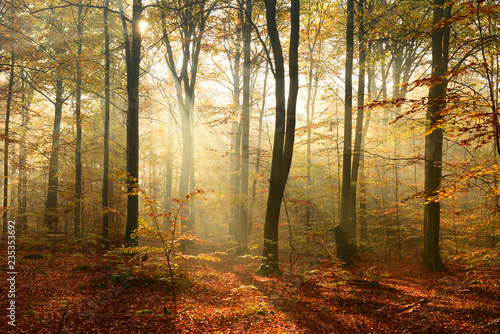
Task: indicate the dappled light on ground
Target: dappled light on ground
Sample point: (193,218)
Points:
(91,293)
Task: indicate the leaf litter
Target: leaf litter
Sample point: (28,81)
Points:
(92,293)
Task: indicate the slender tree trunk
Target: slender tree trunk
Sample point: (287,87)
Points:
(435,135)
(51,217)
(78,104)
(192,28)
(358,140)
(308,150)
(396,95)
(5,218)
(284,133)
(259,146)
(344,233)
(170,155)
(187,156)
(22,181)
(245,119)
(107,102)
(236,134)
(311,97)
(235,179)
(372,94)
(133,59)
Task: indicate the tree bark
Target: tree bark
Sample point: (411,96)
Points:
(259,146)
(78,104)
(192,28)
(23,178)
(284,133)
(5,218)
(345,234)
(133,59)
(170,154)
(51,216)
(236,130)
(435,134)
(358,137)
(107,102)
(245,120)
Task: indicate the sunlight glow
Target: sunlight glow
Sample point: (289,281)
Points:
(143,25)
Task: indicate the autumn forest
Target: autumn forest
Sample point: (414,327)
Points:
(239,166)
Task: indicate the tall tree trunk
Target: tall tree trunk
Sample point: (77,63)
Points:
(245,120)
(284,133)
(310,102)
(107,102)
(78,104)
(344,233)
(133,59)
(187,115)
(384,69)
(51,216)
(235,179)
(259,146)
(236,132)
(396,95)
(23,179)
(170,155)
(5,218)
(309,118)
(358,137)
(192,27)
(435,135)
(372,95)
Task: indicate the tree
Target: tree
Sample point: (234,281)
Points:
(284,132)
(105,177)
(6,146)
(314,44)
(133,60)
(78,116)
(241,232)
(26,93)
(435,133)
(192,18)
(345,232)
(356,156)
(51,217)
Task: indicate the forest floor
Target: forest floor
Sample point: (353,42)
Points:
(86,292)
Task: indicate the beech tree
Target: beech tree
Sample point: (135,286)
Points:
(107,102)
(6,145)
(78,116)
(191,18)
(51,217)
(435,133)
(133,60)
(284,132)
(345,232)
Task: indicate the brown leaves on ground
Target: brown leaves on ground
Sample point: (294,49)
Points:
(92,293)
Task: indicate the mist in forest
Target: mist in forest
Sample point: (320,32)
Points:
(289,132)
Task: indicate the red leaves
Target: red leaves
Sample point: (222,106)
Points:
(227,297)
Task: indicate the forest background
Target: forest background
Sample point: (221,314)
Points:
(157,114)
(157,153)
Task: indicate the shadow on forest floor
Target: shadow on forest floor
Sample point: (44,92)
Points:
(91,293)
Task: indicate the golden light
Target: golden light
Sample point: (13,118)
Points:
(143,26)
